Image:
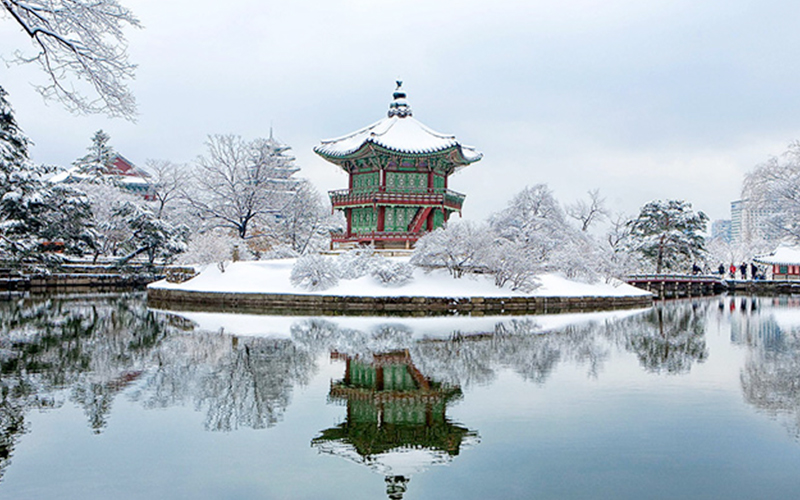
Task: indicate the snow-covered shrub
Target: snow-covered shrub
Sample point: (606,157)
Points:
(458,247)
(314,272)
(356,263)
(391,273)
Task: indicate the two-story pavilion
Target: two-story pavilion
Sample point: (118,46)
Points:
(398,173)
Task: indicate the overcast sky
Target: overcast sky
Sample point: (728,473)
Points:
(642,100)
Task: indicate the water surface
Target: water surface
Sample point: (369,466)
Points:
(103,398)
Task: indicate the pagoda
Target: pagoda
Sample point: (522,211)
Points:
(396,421)
(398,172)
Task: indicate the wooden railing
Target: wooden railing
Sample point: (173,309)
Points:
(341,237)
(392,196)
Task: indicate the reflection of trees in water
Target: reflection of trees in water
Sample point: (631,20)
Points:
(88,345)
(516,344)
(88,349)
(668,338)
(770,377)
(251,386)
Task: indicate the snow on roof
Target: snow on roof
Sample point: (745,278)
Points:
(401,134)
(781,255)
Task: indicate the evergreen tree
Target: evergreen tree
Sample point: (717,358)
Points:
(668,234)
(32,211)
(98,161)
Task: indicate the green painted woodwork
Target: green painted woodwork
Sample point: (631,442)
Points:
(364,220)
(397,219)
(438,219)
(366,181)
(396,377)
(402,181)
(438,181)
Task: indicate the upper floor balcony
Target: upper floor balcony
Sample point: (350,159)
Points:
(343,198)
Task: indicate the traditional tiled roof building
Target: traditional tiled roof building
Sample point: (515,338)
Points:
(398,178)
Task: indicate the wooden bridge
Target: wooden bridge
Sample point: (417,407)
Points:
(670,286)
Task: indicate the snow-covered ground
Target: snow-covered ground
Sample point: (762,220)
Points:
(272,276)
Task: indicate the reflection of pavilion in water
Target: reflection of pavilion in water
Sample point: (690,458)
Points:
(396,422)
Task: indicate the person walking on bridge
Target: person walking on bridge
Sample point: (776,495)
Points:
(743,270)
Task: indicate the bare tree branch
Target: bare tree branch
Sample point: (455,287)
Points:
(79,42)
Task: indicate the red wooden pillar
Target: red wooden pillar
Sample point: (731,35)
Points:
(430,179)
(381,216)
(349,215)
(379,378)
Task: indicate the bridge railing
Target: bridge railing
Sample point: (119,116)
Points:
(674,278)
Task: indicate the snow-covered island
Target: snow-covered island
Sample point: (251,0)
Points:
(270,284)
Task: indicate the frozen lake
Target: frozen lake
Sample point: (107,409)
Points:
(103,398)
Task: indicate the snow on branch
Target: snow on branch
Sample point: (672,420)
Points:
(79,42)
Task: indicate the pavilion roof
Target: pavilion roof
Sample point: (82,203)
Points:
(785,255)
(398,132)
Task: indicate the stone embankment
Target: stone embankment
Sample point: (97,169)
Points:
(76,277)
(763,287)
(296,304)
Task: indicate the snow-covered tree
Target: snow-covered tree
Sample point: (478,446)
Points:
(304,222)
(156,238)
(97,162)
(459,247)
(209,247)
(535,222)
(510,264)
(167,179)
(79,43)
(771,194)
(616,258)
(314,272)
(669,234)
(33,212)
(589,213)
(240,184)
(104,200)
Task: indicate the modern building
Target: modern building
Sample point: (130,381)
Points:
(737,208)
(750,221)
(398,179)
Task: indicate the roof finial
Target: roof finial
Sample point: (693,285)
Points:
(399,107)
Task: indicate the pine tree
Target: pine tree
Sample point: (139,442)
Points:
(97,162)
(32,211)
(668,233)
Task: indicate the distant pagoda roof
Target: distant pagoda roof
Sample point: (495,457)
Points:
(400,133)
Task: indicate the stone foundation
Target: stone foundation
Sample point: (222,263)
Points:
(333,305)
